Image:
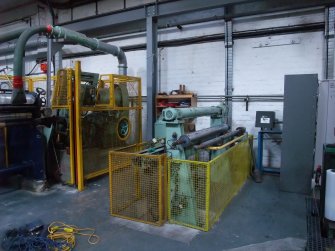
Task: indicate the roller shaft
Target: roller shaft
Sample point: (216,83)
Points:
(183,113)
(238,132)
(194,137)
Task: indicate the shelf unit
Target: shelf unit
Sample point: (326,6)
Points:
(169,100)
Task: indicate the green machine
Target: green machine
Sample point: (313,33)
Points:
(179,145)
(170,126)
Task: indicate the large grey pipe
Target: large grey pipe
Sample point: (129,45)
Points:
(18,95)
(94,44)
(31,46)
(8,36)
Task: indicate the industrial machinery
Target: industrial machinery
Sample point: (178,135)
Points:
(170,126)
(93,113)
(106,116)
(197,162)
(23,144)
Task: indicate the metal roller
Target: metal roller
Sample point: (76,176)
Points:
(5,98)
(194,137)
(238,132)
(183,113)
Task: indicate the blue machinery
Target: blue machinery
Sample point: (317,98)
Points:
(22,144)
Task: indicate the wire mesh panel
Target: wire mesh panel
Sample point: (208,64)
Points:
(199,191)
(188,193)
(138,185)
(62,92)
(228,172)
(113,121)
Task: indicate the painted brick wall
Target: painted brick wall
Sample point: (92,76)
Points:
(259,64)
(259,68)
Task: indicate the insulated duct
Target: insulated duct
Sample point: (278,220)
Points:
(18,95)
(8,36)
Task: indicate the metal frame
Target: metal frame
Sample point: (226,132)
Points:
(151,69)
(229,67)
(77,126)
(172,13)
(260,153)
(329,63)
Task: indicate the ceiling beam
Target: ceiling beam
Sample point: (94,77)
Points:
(173,13)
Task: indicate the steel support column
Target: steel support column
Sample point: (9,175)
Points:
(58,61)
(229,66)
(49,63)
(151,23)
(329,63)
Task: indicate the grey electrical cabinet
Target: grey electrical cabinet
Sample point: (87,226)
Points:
(299,125)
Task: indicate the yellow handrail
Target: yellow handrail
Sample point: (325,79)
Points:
(225,145)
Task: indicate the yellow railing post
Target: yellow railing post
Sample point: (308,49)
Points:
(208,192)
(71,119)
(78,131)
(139,105)
(30,85)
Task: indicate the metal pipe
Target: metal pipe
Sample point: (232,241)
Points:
(49,62)
(194,137)
(18,95)
(219,140)
(92,43)
(5,98)
(4,51)
(11,35)
(170,114)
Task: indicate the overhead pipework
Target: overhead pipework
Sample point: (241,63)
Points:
(18,95)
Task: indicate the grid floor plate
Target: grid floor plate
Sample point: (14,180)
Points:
(314,239)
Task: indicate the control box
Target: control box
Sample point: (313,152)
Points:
(265,119)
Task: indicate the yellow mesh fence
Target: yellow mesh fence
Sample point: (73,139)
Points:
(138,185)
(113,122)
(188,193)
(200,191)
(62,93)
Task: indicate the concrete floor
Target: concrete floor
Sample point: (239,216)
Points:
(259,213)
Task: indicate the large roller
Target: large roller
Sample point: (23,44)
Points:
(194,137)
(219,140)
(170,114)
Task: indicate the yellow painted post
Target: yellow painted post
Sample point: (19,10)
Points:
(30,85)
(140,109)
(111,91)
(110,182)
(78,132)
(208,191)
(168,188)
(160,201)
(71,119)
